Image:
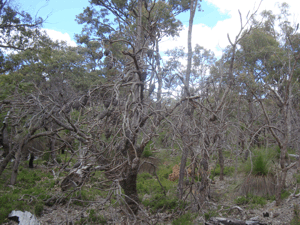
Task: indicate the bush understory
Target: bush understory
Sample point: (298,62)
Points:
(157,194)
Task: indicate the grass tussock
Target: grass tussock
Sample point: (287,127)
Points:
(260,178)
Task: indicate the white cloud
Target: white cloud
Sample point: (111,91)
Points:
(215,38)
(58,36)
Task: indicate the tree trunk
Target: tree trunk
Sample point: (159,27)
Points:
(17,161)
(221,162)
(7,159)
(129,187)
(52,149)
(4,140)
(204,185)
(182,172)
(187,94)
(31,160)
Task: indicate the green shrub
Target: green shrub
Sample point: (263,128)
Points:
(164,171)
(242,200)
(210,214)
(46,156)
(285,194)
(186,219)
(260,165)
(261,162)
(147,153)
(296,217)
(58,159)
(31,189)
(297,177)
(38,209)
(147,150)
(250,199)
(160,201)
(145,176)
(228,170)
(96,219)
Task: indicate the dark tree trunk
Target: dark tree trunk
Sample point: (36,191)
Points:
(31,160)
(63,150)
(129,186)
(204,185)
(17,161)
(4,140)
(182,171)
(7,159)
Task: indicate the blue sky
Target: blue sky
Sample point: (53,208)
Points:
(211,26)
(62,14)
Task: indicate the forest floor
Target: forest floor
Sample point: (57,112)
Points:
(91,205)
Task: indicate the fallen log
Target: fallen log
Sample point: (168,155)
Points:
(230,221)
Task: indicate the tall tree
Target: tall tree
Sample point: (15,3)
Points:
(128,42)
(18,31)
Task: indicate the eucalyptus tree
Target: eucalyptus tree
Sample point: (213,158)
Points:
(18,31)
(270,77)
(205,112)
(128,33)
(44,82)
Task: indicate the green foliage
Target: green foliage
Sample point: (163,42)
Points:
(46,156)
(148,184)
(250,199)
(32,189)
(296,217)
(27,178)
(96,219)
(209,214)
(261,161)
(160,201)
(147,153)
(284,194)
(147,150)
(297,177)
(58,159)
(241,200)
(38,209)
(259,165)
(228,170)
(84,195)
(186,219)
(164,172)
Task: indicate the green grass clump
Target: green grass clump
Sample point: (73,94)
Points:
(38,209)
(148,184)
(147,150)
(285,194)
(261,162)
(186,219)
(164,171)
(260,165)
(147,153)
(160,201)
(251,199)
(242,200)
(297,177)
(209,214)
(92,219)
(33,187)
(296,217)
(228,170)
